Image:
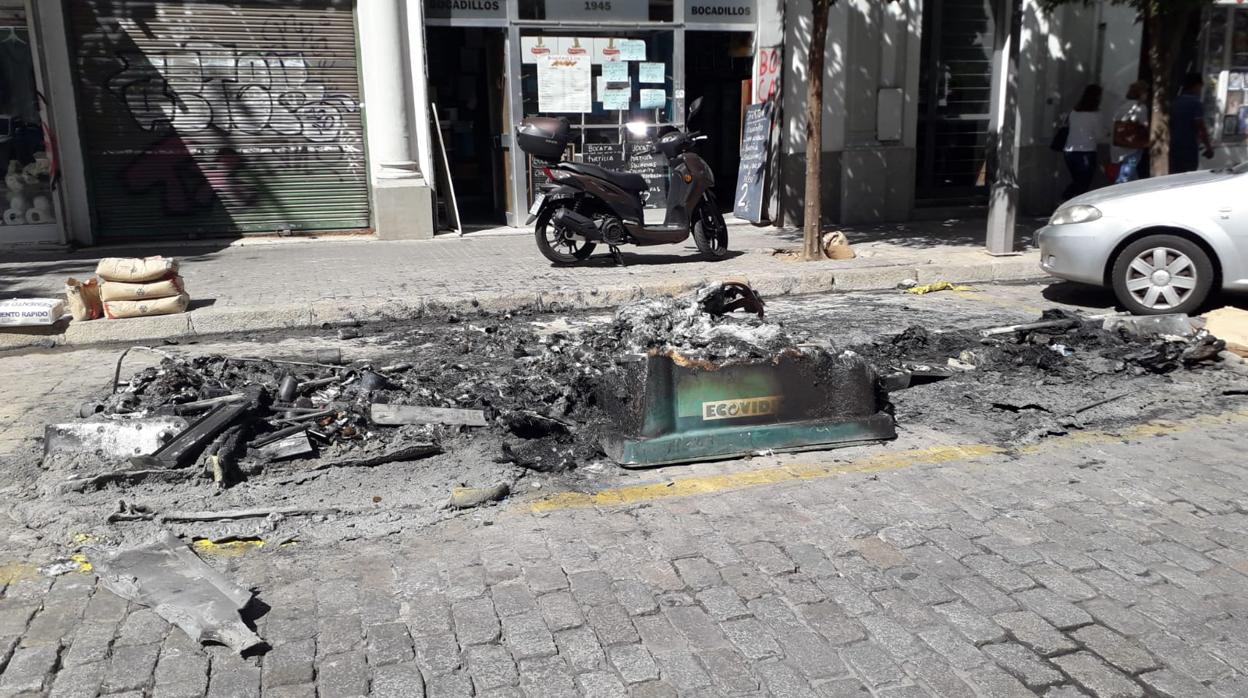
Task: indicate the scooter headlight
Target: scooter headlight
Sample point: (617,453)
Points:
(1079,213)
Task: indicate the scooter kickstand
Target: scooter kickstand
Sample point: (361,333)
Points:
(617,255)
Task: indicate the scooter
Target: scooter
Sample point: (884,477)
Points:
(584,205)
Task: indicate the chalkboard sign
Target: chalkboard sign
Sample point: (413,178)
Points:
(748,202)
(652,168)
(537,172)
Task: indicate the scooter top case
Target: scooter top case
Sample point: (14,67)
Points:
(667,408)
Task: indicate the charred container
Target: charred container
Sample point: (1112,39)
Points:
(667,408)
(544,137)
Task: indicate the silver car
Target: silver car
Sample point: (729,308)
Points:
(1161,244)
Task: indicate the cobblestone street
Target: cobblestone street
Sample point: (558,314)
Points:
(1101,563)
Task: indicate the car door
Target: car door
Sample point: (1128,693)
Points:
(1231,214)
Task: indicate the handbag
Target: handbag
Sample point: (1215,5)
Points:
(1058,144)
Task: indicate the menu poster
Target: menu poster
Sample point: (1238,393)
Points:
(606,50)
(574,46)
(565,84)
(615,72)
(632,50)
(616,99)
(651,72)
(653,99)
(533,48)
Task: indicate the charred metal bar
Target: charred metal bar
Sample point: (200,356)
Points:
(183,448)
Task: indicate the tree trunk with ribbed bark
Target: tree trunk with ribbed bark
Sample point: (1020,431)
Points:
(813,216)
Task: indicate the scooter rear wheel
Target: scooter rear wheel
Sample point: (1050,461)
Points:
(558,245)
(710,234)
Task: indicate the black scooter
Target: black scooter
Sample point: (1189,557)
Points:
(584,205)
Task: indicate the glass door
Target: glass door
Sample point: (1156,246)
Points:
(27,206)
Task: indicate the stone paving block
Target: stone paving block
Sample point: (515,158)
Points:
(634,596)
(560,610)
(682,672)
(1030,629)
(436,655)
(490,666)
(50,626)
(905,609)
(699,629)
(103,607)
(768,558)
(872,664)
(991,680)
(652,689)
(926,588)
(1057,611)
(729,671)
(844,688)
(810,654)
(305,690)
(288,665)
(799,589)
(79,681)
(232,676)
(141,627)
(592,588)
(747,582)
(660,576)
(852,599)
(1024,665)
(722,603)
(1182,556)
(778,615)
(697,572)
(512,598)
(1189,581)
(889,634)
(466,582)
(547,676)
(751,638)
(1119,651)
(280,630)
(449,686)
(545,577)
(600,684)
(475,621)
(612,624)
(1119,617)
(182,669)
(1167,683)
(974,625)
(1230,686)
(425,615)
(527,636)
(388,643)
(1061,582)
(130,668)
(633,663)
(1175,653)
(953,647)
(903,536)
(503,692)
(830,621)
(1233,651)
(90,643)
(982,595)
(1097,677)
(1115,586)
(780,679)
(343,675)
(956,544)
(931,559)
(1065,692)
(338,634)
(903,692)
(580,647)
(938,677)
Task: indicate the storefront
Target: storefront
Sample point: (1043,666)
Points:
(602,64)
(1224,47)
(202,119)
(29,203)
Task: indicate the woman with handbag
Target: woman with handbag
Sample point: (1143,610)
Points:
(1131,133)
(1083,129)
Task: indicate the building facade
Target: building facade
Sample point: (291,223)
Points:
(165,120)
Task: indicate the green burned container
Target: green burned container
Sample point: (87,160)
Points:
(667,409)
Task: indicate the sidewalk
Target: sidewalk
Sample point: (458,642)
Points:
(250,285)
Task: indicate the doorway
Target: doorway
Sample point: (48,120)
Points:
(467,85)
(718,66)
(954,103)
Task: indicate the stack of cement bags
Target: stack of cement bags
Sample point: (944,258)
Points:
(141,286)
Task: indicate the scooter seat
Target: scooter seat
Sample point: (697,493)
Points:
(624,180)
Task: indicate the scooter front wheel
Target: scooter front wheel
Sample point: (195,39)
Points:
(710,234)
(558,245)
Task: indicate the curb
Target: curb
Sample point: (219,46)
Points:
(204,323)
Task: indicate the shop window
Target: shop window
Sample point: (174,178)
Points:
(1226,73)
(26,198)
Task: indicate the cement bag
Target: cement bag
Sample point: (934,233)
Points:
(136,270)
(84,299)
(153,306)
(122,291)
(22,312)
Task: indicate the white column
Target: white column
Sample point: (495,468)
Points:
(386,88)
(419,81)
(1003,128)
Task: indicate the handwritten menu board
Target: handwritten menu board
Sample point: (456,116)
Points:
(564,84)
(652,168)
(748,201)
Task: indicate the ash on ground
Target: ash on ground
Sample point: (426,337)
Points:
(534,379)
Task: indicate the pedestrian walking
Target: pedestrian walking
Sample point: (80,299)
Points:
(1187,127)
(1130,142)
(1080,150)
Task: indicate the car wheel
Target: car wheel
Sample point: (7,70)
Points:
(1162,274)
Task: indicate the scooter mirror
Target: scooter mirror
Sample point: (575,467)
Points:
(638,128)
(694,107)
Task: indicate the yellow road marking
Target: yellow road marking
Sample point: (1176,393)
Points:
(708,484)
(234,548)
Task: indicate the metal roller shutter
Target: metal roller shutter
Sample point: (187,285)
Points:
(208,118)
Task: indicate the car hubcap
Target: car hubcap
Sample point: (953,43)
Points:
(1161,278)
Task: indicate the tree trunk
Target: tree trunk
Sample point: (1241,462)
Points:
(813,216)
(1165,37)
